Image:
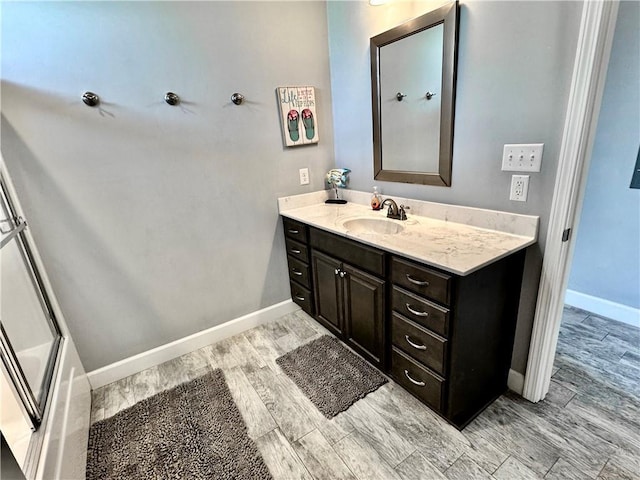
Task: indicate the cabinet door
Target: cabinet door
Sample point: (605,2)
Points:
(364,313)
(328,294)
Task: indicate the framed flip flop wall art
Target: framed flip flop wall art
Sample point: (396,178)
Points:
(298,114)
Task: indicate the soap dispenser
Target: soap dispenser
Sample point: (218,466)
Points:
(376,199)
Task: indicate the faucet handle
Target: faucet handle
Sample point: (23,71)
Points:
(402,212)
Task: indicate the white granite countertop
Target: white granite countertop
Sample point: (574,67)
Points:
(457,239)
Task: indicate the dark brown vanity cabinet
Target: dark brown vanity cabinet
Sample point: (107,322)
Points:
(350,302)
(296,241)
(445,338)
(452,336)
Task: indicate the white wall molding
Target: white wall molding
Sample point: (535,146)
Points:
(603,307)
(589,74)
(142,361)
(515,381)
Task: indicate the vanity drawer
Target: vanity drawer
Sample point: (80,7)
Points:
(302,296)
(295,230)
(429,315)
(366,258)
(421,280)
(418,342)
(297,250)
(427,386)
(299,271)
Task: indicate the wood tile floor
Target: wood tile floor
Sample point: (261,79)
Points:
(587,427)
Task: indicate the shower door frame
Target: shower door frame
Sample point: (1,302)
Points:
(33,407)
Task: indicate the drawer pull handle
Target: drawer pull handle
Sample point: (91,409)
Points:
(298,297)
(416,312)
(422,283)
(415,382)
(296,272)
(295,232)
(414,345)
(296,251)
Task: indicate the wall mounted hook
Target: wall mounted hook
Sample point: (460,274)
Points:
(237,98)
(400,96)
(171,98)
(430,95)
(91,99)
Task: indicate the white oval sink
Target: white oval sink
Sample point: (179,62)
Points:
(373,225)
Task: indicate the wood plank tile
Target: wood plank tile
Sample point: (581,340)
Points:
(146,383)
(631,359)
(563,470)
(291,417)
(512,469)
(614,328)
(574,315)
(222,356)
(464,468)
(511,433)
(441,443)
(363,460)
(255,414)
(97,405)
(392,447)
(612,471)
(299,326)
(118,396)
(417,467)
(566,432)
(245,355)
(280,458)
(322,462)
(559,394)
(266,348)
(333,429)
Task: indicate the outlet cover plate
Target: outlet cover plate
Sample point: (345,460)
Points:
(519,188)
(524,157)
(304,176)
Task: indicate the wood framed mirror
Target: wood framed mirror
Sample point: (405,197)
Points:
(413,77)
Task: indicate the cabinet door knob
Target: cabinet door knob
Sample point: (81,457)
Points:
(342,274)
(415,382)
(414,345)
(422,283)
(337,271)
(416,312)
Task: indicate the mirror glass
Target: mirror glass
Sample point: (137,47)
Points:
(413,80)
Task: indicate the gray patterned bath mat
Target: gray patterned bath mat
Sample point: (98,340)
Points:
(330,375)
(192,431)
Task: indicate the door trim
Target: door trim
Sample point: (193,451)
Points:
(589,74)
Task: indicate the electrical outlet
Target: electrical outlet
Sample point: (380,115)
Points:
(522,157)
(519,188)
(304,176)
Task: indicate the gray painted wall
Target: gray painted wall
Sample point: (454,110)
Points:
(514,71)
(156,222)
(606,261)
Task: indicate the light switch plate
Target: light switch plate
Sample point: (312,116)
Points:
(525,157)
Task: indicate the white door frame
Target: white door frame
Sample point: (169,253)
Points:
(589,74)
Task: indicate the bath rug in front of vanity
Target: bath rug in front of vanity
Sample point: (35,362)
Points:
(192,431)
(330,375)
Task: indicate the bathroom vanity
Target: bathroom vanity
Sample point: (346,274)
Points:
(432,301)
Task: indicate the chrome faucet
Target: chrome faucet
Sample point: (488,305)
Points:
(395,212)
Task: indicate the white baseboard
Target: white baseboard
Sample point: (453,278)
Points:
(142,361)
(515,382)
(605,308)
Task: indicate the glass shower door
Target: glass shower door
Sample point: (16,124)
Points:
(29,336)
